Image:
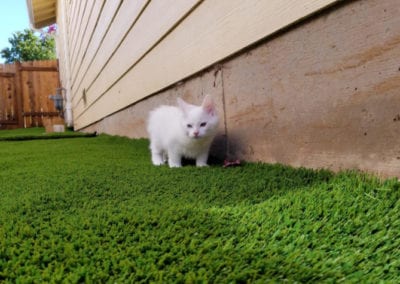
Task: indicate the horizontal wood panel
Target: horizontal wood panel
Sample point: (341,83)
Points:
(77,26)
(102,25)
(84,21)
(72,20)
(77,62)
(125,18)
(155,22)
(41,12)
(27,91)
(213,31)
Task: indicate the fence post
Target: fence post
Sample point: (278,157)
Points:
(18,93)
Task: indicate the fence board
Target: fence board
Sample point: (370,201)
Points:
(7,98)
(75,37)
(24,93)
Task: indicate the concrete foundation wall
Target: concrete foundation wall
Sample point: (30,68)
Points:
(323,94)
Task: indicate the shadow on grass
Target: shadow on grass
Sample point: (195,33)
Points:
(249,183)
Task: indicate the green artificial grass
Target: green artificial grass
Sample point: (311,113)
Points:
(39,133)
(96,210)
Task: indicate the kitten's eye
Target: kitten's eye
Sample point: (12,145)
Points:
(203,124)
(189,126)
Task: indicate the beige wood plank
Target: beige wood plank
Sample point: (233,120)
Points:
(78,26)
(84,21)
(69,12)
(215,30)
(63,20)
(76,62)
(89,21)
(72,19)
(156,21)
(127,15)
(107,13)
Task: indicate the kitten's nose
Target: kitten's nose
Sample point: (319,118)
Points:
(196,133)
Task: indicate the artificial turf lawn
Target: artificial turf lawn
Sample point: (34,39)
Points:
(96,210)
(39,133)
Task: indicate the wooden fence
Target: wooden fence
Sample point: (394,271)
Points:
(24,94)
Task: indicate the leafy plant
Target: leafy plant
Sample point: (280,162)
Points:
(28,46)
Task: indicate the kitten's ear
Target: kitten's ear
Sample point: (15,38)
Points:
(208,105)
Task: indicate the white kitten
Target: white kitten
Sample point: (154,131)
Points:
(183,131)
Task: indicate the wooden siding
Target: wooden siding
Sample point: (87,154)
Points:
(121,51)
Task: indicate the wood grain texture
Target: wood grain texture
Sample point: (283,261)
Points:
(25,90)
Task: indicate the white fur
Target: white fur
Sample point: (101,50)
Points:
(183,131)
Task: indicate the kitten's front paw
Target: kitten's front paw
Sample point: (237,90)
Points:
(201,165)
(157,160)
(174,161)
(175,165)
